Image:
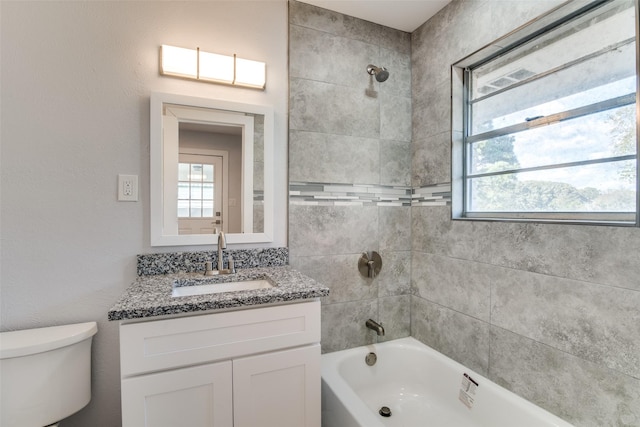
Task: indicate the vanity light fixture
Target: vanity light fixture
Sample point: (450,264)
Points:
(212,67)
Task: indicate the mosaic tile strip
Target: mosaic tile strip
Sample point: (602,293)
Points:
(190,262)
(432,195)
(317,193)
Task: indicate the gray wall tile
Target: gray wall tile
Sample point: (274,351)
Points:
(584,393)
(336,23)
(325,57)
(340,273)
(433,231)
(395,316)
(463,338)
(329,108)
(541,281)
(572,289)
(330,230)
(431,160)
(395,163)
(305,15)
(461,285)
(432,110)
(597,323)
(394,40)
(343,324)
(347,128)
(395,228)
(395,275)
(399,66)
(321,157)
(431,66)
(607,255)
(395,117)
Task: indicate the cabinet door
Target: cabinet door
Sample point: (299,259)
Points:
(278,389)
(196,397)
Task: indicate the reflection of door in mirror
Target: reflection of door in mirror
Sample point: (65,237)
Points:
(200,208)
(221,148)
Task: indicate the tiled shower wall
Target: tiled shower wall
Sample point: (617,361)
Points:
(349,162)
(551,312)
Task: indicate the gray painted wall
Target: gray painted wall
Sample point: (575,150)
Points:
(76,80)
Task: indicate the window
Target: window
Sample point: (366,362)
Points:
(195,190)
(546,127)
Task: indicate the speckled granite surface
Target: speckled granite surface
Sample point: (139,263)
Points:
(150,296)
(175,262)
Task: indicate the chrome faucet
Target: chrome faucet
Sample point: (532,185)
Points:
(222,244)
(373,325)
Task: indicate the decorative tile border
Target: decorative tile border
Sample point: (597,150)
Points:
(189,262)
(432,195)
(327,194)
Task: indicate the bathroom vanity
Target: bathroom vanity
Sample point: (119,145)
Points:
(244,358)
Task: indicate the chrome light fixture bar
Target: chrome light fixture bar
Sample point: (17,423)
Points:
(212,67)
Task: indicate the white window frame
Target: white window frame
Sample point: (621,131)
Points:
(460,123)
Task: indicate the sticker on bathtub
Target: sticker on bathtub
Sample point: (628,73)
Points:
(467,390)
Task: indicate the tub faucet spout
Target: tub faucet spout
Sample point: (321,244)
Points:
(372,324)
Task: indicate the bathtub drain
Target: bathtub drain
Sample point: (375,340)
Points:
(371,359)
(385,411)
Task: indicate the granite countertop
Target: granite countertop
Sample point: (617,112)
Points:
(150,296)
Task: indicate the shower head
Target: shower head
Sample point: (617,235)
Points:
(381,73)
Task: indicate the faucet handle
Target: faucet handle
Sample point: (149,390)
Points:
(370,266)
(208,268)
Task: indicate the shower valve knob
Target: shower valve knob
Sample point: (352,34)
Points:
(370,265)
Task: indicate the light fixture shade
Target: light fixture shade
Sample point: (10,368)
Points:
(216,68)
(250,73)
(212,67)
(177,61)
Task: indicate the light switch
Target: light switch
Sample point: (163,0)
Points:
(128,188)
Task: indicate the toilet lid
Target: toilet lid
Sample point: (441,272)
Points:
(32,341)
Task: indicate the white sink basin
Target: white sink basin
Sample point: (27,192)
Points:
(216,288)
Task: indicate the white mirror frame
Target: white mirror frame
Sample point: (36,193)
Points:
(163,156)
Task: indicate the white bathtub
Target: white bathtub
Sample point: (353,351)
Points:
(421,387)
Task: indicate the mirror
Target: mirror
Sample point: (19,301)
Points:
(211,169)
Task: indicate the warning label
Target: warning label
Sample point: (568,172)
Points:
(467,391)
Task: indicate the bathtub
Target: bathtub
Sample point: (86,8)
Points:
(421,388)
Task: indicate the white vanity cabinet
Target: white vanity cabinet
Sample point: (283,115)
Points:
(256,367)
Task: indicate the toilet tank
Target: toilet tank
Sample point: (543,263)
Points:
(45,373)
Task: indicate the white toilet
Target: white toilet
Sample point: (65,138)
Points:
(45,374)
